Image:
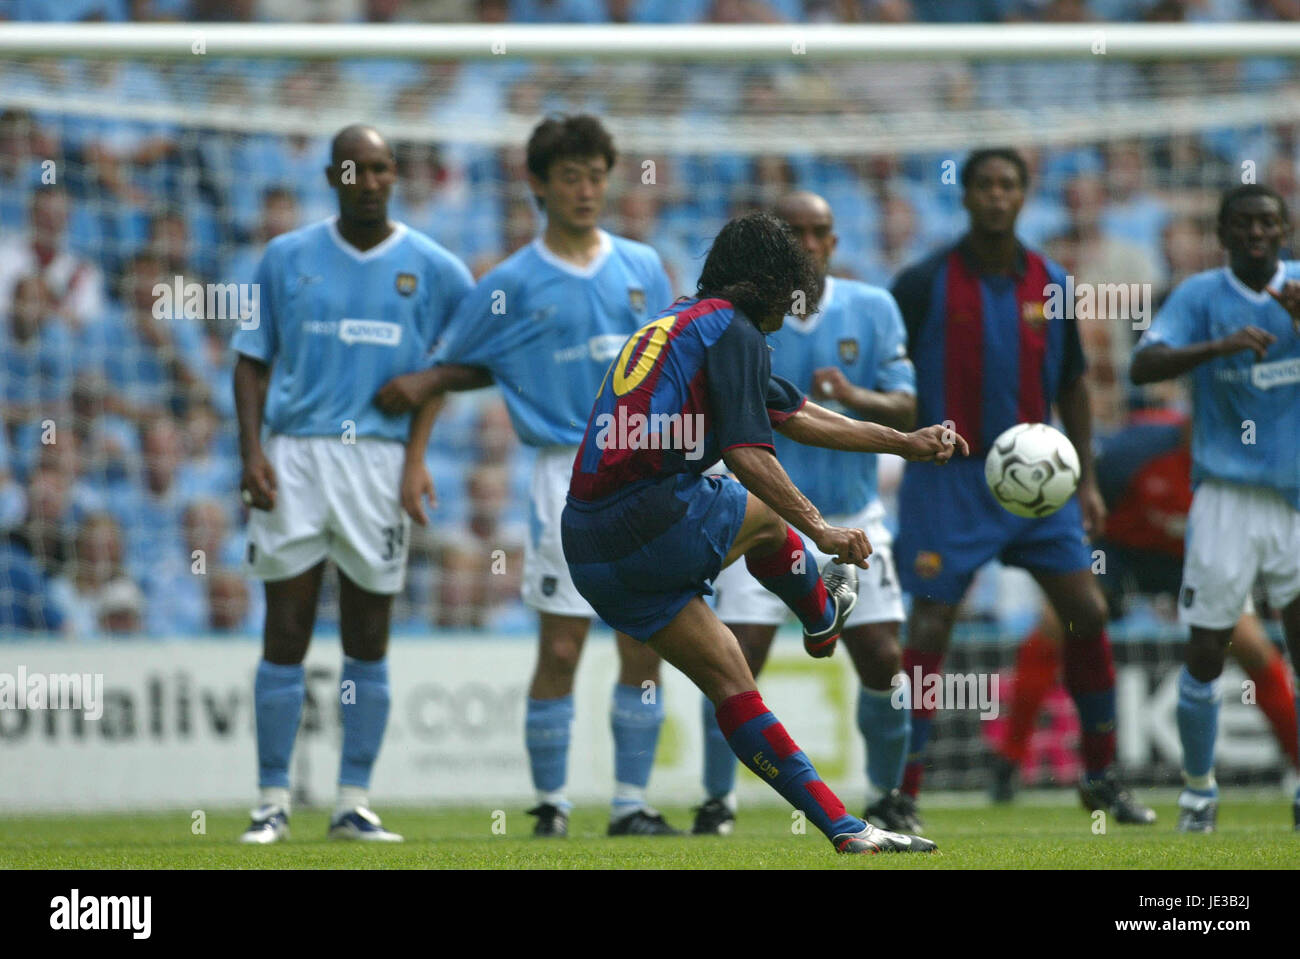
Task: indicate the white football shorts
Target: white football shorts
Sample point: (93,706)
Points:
(1237,535)
(548,587)
(741,599)
(337,500)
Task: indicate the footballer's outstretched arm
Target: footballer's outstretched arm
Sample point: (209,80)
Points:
(815,425)
(760,472)
(409,391)
(1160,361)
(896,408)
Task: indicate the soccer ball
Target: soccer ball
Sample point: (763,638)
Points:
(1032,469)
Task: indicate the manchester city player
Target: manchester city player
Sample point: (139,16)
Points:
(645,532)
(344,305)
(1237,331)
(851,356)
(544,325)
(988,355)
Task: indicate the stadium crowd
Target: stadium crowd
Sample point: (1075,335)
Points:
(118,461)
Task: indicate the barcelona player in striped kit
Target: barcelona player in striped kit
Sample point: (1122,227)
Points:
(645,532)
(988,355)
(851,354)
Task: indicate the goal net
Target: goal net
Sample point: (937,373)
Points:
(134,160)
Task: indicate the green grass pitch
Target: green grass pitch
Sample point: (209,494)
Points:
(1254,832)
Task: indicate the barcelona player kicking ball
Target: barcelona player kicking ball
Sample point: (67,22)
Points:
(645,533)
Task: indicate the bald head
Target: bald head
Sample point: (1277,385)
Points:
(362,172)
(350,138)
(810,217)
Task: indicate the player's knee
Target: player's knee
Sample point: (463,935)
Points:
(930,626)
(1089,618)
(559,656)
(877,656)
(286,638)
(1206,653)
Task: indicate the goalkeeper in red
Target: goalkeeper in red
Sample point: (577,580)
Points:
(645,533)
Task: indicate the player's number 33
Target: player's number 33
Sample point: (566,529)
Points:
(653,336)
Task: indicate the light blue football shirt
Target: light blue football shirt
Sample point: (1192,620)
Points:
(860,330)
(1246,412)
(337,323)
(548,330)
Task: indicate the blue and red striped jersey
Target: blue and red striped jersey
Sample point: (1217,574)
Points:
(690,385)
(989,352)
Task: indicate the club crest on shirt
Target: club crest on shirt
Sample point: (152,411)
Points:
(848,350)
(406,283)
(928,565)
(1032,312)
(636,299)
(548,585)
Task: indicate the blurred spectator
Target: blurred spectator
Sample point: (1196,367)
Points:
(76,285)
(178,580)
(150,355)
(278,214)
(23,151)
(1133,213)
(94,592)
(1098,262)
(27,604)
(482,559)
(44,535)
(150,511)
(230,607)
(36,355)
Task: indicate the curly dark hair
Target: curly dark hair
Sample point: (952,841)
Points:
(757,265)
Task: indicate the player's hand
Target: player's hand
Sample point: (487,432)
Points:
(401,394)
(934,444)
(830,383)
(257,485)
(1289,298)
(1247,338)
(1094,508)
(850,547)
(417,484)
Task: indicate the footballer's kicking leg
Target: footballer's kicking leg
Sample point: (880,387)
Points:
(929,630)
(885,721)
(1089,672)
(717,816)
(364,697)
(278,693)
(548,720)
(776,555)
(698,644)
(636,715)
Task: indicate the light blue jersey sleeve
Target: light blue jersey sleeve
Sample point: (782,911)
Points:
(1180,322)
(258,338)
(894,371)
(478,330)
